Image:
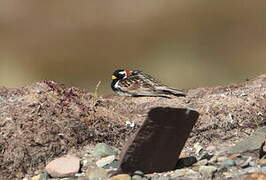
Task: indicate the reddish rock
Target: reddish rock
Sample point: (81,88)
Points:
(262,162)
(159,141)
(63,166)
(255,176)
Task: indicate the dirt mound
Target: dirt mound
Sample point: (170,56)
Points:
(46,120)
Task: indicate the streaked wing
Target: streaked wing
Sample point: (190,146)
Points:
(148,79)
(138,86)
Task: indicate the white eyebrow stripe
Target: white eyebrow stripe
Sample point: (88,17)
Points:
(122,72)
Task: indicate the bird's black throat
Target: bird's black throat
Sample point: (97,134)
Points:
(113,84)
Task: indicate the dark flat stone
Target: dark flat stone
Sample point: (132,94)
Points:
(157,145)
(251,143)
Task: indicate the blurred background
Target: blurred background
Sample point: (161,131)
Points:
(183,43)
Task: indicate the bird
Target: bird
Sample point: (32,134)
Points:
(136,83)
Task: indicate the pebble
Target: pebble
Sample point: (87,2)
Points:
(228,163)
(159,178)
(211,148)
(121,177)
(213,160)
(136,177)
(105,161)
(198,148)
(221,158)
(63,166)
(178,173)
(234,156)
(79,174)
(262,162)
(207,171)
(204,155)
(191,172)
(262,151)
(202,162)
(186,162)
(246,163)
(258,176)
(227,174)
(115,164)
(85,162)
(42,176)
(102,149)
(38,177)
(96,173)
(138,172)
(252,163)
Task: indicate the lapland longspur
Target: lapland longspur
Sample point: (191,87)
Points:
(137,83)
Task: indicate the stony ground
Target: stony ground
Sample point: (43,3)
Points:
(47,120)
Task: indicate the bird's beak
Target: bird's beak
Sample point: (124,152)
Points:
(114,77)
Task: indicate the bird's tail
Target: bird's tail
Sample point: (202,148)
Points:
(173,91)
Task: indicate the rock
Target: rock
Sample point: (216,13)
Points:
(178,173)
(80,178)
(85,162)
(227,175)
(79,174)
(185,162)
(246,163)
(234,156)
(136,177)
(207,171)
(63,166)
(113,165)
(165,130)
(37,177)
(121,177)
(191,172)
(42,176)
(228,163)
(68,178)
(96,174)
(262,152)
(252,164)
(221,158)
(102,149)
(139,173)
(213,160)
(211,148)
(160,178)
(255,176)
(105,161)
(198,148)
(202,162)
(204,155)
(184,173)
(251,143)
(262,162)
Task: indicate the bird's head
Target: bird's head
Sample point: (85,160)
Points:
(120,74)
